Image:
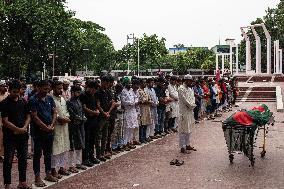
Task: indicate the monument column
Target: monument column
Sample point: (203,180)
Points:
(248,55)
(223,64)
(237,59)
(257,51)
(217,62)
(276,55)
(280,61)
(231,58)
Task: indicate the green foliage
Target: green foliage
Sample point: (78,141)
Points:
(32,29)
(153,55)
(274,21)
(194,58)
(152,52)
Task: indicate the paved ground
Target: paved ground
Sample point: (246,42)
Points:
(148,167)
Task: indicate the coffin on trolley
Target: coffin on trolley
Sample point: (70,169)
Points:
(241,130)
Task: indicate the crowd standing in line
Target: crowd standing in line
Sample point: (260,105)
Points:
(75,127)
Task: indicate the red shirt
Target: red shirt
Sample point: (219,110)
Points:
(206,92)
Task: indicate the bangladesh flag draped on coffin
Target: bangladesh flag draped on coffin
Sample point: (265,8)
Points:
(256,116)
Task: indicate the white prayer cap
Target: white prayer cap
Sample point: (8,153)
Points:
(66,81)
(2,83)
(187,77)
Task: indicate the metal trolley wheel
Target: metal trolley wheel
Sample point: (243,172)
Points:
(252,161)
(262,154)
(231,158)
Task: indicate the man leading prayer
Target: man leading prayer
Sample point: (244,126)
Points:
(186,121)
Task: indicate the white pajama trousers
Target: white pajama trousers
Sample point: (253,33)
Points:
(184,139)
(75,157)
(136,134)
(150,130)
(59,160)
(128,135)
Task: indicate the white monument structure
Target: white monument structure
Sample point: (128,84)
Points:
(257,51)
(248,54)
(228,57)
(224,57)
(277,51)
(277,58)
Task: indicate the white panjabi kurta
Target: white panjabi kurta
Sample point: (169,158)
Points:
(186,106)
(155,101)
(173,93)
(146,117)
(61,141)
(128,101)
(66,94)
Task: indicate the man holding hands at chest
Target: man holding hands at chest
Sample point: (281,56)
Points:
(16,119)
(186,106)
(44,116)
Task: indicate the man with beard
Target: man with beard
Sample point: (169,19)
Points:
(135,87)
(44,115)
(16,119)
(150,90)
(173,93)
(146,118)
(66,91)
(61,144)
(186,106)
(129,101)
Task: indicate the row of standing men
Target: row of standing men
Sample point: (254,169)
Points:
(76,128)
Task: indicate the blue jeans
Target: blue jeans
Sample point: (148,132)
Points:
(213,105)
(42,143)
(161,121)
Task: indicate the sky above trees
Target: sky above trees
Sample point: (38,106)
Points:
(196,23)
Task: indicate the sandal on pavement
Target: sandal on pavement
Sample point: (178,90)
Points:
(40,184)
(173,162)
(24,187)
(179,163)
(184,151)
(51,178)
(190,148)
(73,170)
(81,167)
(64,172)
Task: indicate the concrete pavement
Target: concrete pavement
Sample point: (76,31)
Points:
(148,167)
(209,167)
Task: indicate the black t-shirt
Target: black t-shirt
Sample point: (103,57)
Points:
(16,111)
(89,101)
(160,93)
(105,99)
